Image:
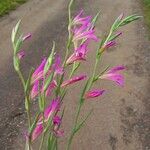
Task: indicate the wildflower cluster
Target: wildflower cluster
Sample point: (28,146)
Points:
(47,84)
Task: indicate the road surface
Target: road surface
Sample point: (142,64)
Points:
(121,117)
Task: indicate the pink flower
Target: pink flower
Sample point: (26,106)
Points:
(57,66)
(57,120)
(37,132)
(84,32)
(51,86)
(81,20)
(113,74)
(27,37)
(39,72)
(93,94)
(73,80)
(79,53)
(35,89)
(57,132)
(109,44)
(21,54)
(52,108)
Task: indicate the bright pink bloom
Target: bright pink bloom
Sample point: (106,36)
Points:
(109,44)
(53,107)
(57,66)
(39,72)
(73,80)
(57,120)
(84,32)
(35,89)
(81,20)
(113,74)
(93,94)
(27,37)
(79,53)
(21,54)
(51,86)
(37,132)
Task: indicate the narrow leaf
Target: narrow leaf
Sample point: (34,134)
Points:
(82,122)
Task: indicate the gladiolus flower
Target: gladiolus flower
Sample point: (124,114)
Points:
(39,72)
(73,80)
(84,33)
(113,74)
(93,94)
(37,132)
(79,53)
(26,37)
(52,108)
(21,54)
(35,89)
(108,45)
(56,130)
(52,85)
(57,66)
(57,120)
(81,20)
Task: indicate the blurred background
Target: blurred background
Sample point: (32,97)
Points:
(121,118)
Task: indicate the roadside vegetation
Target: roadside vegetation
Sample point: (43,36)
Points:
(147,12)
(7,5)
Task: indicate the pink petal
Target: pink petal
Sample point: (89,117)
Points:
(116,69)
(52,85)
(73,80)
(57,120)
(81,20)
(27,37)
(86,35)
(35,89)
(53,107)
(38,73)
(37,132)
(93,93)
(110,44)
(21,54)
(117,78)
(74,58)
(57,66)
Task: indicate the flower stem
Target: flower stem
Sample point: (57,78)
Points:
(42,141)
(81,102)
(21,78)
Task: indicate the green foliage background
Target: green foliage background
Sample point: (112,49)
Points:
(7,5)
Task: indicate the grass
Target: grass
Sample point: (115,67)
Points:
(146,9)
(7,5)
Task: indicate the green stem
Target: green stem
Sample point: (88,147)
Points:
(42,141)
(81,102)
(21,78)
(28,111)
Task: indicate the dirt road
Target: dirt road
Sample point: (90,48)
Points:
(121,118)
